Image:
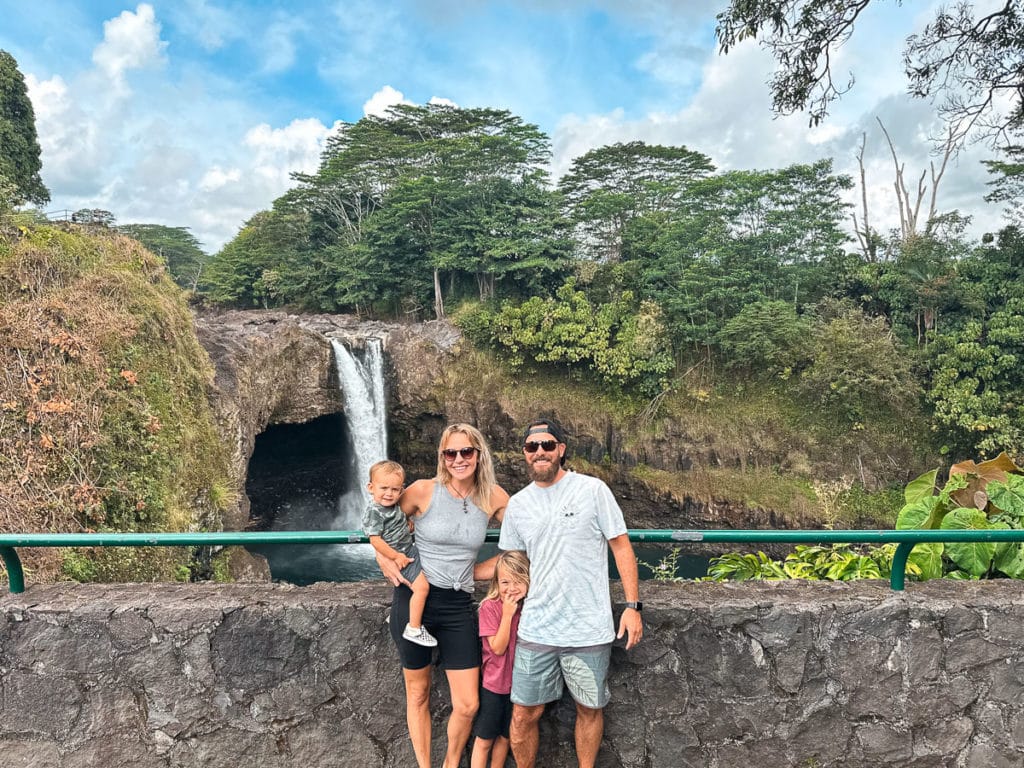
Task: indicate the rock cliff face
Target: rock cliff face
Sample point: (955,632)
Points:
(791,674)
(272,368)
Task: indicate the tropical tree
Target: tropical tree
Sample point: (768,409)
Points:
(608,187)
(858,369)
(968,59)
(458,193)
(1008,184)
(178,247)
(262,264)
(743,237)
(765,338)
(20,161)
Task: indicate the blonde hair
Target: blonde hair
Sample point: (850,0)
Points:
(516,564)
(483,475)
(387,468)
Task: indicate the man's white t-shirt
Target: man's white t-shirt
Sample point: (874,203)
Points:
(564,530)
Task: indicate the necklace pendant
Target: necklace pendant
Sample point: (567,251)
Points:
(465,509)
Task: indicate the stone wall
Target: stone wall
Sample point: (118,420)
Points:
(775,675)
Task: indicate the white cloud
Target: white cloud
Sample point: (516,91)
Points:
(72,153)
(216,177)
(386,97)
(278,152)
(130,41)
(279,51)
(443,102)
(210,26)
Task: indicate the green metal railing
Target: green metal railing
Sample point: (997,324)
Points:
(906,541)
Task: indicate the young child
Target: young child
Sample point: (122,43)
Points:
(499,621)
(388,529)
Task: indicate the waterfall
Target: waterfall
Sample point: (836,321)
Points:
(362,385)
(361,379)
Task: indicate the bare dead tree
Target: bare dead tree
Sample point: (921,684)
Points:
(867,239)
(908,211)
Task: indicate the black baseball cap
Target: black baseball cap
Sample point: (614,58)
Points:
(540,426)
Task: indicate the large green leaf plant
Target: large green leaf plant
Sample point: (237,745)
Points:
(977,497)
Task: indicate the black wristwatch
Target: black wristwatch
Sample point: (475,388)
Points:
(636,606)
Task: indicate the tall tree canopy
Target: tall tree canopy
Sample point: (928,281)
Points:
(431,197)
(969,59)
(19,147)
(608,187)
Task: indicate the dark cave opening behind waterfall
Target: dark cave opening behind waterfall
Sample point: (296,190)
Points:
(299,477)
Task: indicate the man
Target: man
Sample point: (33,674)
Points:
(566,522)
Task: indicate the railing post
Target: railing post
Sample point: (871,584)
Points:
(15,574)
(899,565)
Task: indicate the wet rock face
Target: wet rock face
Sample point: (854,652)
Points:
(785,674)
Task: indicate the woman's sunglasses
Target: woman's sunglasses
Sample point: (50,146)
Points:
(451,453)
(547,445)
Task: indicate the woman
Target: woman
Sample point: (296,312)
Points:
(451,512)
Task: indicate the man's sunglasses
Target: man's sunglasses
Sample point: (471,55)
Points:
(547,445)
(451,453)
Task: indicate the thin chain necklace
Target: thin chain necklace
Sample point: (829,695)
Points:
(465,509)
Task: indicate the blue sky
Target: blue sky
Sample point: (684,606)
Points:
(193,113)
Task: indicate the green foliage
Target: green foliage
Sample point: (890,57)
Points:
(765,338)
(741,238)
(977,382)
(607,188)
(976,497)
(622,342)
(666,568)
(125,564)
(19,147)
(1008,184)
(858,371)
(839,562)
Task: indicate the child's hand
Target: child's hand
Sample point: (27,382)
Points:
(510,602)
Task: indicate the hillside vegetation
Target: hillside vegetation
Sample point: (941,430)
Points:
(104,417)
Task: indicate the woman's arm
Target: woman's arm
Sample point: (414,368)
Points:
(416,498)
(391,570)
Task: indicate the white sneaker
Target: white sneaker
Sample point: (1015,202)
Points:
(419,636)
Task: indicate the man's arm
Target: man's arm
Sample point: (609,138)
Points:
(631,624)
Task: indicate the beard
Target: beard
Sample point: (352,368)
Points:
(546,474)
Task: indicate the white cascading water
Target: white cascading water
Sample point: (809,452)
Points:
(362,386)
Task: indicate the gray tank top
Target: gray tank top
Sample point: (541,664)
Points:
(449,540)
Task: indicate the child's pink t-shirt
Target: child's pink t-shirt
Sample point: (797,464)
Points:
(497,670)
